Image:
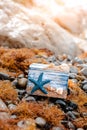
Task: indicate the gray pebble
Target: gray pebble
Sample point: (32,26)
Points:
(77,60)
(51,59)
(77,114)
(70,125)
(21,124)
(21,92)
(30,98)
(21,76)
(22,83)
(72,75)
(15,82)
(84,71)
(11,106)
(73,70)
(85,87)
(57,128)
(13,116)
(84,82)
(40,121)
(71,115)
(4,76)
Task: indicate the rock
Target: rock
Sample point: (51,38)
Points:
(4,116)
(84,82)
(85,87)
(40,121)
(30,98)
(4,76)
(33,27)
(15,82)
(11,106)
(84,71)
(71,115)
(77,60)
(13,116)
(3,106)
(22,82)
(73,70)
(28,124)
(60,102)
(21,76)
(57,128)
(72,75)
(70,125)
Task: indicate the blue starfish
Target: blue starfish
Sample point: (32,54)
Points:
(39,84)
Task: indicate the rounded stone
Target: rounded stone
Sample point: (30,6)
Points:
(72,75)
(30,98)
(13,116)
(84,71)
(11,106)
(70,125)
(77,60)
(22,82)
(15,82)
(73,70)
(85,87)
(21,76)
(4,76)
(40,121)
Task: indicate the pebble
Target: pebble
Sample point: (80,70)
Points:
(22,82)
(60,102)
(57,128)
(21,92)
(40,121)
(72,75)
(77,60)
(70,125)
(4,76)
(51,59)
(84,82)
(80,129)
(3,106)
(30,98)
(73,70)
(85,87)
(15,82)
(71,115)
(21,76)
(11,106)
(84,71)
(13,116)
(4,116)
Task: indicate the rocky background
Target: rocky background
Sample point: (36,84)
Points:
(30,32)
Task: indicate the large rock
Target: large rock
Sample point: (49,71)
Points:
(34,27)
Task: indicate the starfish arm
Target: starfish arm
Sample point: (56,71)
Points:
(33,81)
(45,82)
(43,90)
(34,89)
(40,78)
